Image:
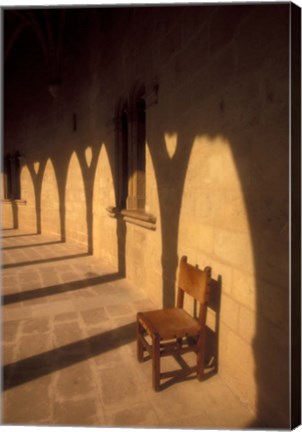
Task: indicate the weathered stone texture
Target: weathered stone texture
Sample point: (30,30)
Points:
(216,169)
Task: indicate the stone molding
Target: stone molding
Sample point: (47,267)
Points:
(136,217)
(13,201)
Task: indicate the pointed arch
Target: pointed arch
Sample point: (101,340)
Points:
(50,215)
(122,151)
(75,203)
(103,196)
(137,149)
(27,214)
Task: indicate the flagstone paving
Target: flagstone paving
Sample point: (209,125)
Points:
(68,347)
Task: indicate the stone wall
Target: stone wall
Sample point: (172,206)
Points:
(216,80)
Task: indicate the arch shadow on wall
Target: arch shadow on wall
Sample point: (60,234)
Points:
(267,368)
(169,228)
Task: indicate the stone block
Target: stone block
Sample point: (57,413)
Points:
(178,403)
(134,416)
(32,345)
(8,354)
(29,403)
(272,259)
(119,310)
(77,413)
(16,313)
(66,316)
(223,25)
(66,333)
(7,217)
(243,383)
(256,43)
(273,304)
(113,357)
(40,325)
(211,319)
(268,406)
(195,235)
(10,331)
(222,274)
(241,352)
(190,251)
(234,248)
(195,21)
(247,327)
(229,313)
(9,281)
(244,288)
(235,215)
(75,382)
(223,340)
(94,316)
(29,275)
(202,259)
(170,44)
(119,386)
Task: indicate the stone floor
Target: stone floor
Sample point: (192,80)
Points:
(69,348)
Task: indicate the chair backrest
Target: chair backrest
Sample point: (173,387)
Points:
(194,282)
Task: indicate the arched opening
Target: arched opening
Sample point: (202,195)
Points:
(122,150)
(76,224)
(137,151)
(50,216)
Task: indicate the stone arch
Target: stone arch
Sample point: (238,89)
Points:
(50,216)
(137,148)
(103,197)
(122,151)
(75,203)
(27,214)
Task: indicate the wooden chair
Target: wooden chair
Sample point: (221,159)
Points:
(173,331)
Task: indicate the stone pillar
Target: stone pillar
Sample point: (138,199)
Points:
(136,158)
(13,172)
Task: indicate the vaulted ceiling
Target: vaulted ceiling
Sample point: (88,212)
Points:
(43,28)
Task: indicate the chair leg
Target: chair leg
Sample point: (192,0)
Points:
(200,358)
(140,347)
(156,364)
(179,342)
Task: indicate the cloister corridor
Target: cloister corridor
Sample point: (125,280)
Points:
(69,349)
(134,136)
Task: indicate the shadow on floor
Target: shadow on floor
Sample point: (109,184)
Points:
(44,261)
(58,289)
(32,245)
(19,235)
(43,364)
